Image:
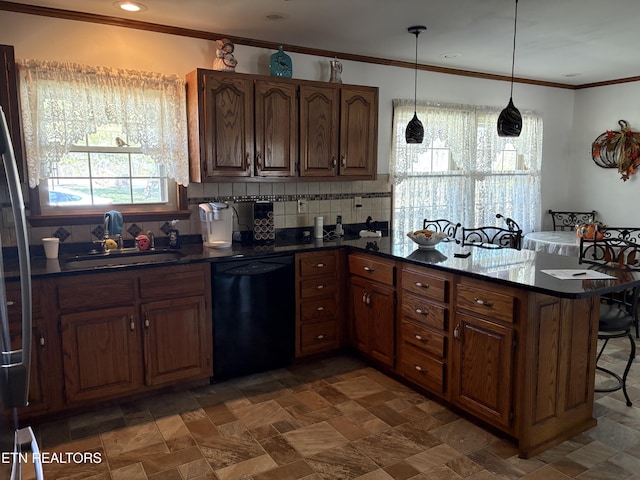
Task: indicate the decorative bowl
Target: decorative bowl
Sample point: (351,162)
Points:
(427,239)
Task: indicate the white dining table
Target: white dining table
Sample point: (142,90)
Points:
(558,242)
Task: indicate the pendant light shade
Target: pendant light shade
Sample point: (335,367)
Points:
(414,132)
(510,120)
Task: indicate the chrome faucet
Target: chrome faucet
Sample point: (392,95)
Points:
(152,240)
(105,236)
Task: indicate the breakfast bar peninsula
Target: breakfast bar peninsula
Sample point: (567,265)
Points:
(497,334)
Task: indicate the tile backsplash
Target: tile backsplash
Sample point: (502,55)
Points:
(326,199)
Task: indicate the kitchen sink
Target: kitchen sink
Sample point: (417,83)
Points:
(120,257)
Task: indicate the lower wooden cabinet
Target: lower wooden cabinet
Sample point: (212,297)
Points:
(43,372)
(102,353)
(134,337)
(319,319)
(373,303)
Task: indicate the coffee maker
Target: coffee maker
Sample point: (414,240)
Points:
(216,220)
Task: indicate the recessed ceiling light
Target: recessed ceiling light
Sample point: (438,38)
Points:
(451,55)
(275,17)
(131,6)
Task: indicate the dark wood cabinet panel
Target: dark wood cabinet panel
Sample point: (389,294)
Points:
(9,99)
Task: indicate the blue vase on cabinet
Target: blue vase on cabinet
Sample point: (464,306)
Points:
(280,64)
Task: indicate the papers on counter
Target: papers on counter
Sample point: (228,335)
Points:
(577,274)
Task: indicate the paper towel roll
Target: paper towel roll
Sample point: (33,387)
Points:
(318,230)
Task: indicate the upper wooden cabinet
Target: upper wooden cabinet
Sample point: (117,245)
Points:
(338,131)
(9,102)
(250,126)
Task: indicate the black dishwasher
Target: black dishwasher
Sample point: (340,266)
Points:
(253,315)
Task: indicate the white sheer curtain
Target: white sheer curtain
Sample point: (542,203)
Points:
(473,183)
(63,102)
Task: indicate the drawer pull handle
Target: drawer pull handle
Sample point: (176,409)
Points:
(418,337)
(456,331)
(486,303)
(320,309)
(420,312)
(319,265)
(132,324)
(320,337)
(42,340)
(369,269)
(422,285)
(10,303)
(418,368)
(319,287)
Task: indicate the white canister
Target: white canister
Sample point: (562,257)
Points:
(318,229)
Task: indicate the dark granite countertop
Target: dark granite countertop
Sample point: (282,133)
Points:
(520,269)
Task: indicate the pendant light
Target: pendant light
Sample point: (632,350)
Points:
(510,120)
(415,131)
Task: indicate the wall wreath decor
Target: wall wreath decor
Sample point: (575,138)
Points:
(618,149)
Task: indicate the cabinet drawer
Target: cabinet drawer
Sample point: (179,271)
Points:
(372,268)
(488,303)
(317,337)
(420,311)
(423,338)
(321,309)
(105,290)
(324,285)
(173,281)
(427,286)
(318,264)
(422,369)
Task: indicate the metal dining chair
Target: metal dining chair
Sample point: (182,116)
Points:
(513,226)
(445,226)
(569,220)
(492,237)
(618,311)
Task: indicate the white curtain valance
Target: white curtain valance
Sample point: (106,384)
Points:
(63,102)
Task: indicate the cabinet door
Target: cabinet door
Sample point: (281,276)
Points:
(319,117)
(360,315)
(358,132)
(227,101)
(483,370)
(178,343)
(372,329)
(382,323)
(102,354)
(276,131)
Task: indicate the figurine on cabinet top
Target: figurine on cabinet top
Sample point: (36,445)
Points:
(225,61)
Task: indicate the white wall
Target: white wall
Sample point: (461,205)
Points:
(65,40)
(598,110)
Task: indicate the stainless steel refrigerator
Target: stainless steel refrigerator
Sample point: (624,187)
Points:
(18,446)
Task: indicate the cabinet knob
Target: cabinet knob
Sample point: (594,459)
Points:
(364,297)
(343,161)
(369,269)
(132,324)
(456,331)
(42,340)
(319,265)
(10,303)
(422,285)
(320,337)
(319,287)
(486,303)
(368,299)
(259,160)
(333,161)
(146,320)
(420,312)
(320,309)
(418,368)
(248,159)
(418,337)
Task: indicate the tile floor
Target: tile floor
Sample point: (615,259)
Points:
(331,419)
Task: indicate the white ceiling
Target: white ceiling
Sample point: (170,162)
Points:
(573,42)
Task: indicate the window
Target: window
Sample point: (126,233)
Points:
(463,171)
(97,136)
